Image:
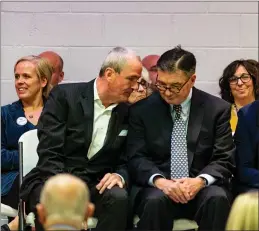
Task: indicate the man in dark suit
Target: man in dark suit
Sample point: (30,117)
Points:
(180,164)
(82,131)
(247,143)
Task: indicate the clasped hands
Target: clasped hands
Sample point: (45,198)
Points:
(180,190)
(109,181)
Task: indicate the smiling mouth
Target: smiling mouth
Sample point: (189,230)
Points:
(21,89)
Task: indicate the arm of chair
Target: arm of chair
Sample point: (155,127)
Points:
(8,211)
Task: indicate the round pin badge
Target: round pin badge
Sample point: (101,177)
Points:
(21,121)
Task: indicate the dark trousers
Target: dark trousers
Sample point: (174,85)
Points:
(12,198)
(110,207)
(210,209)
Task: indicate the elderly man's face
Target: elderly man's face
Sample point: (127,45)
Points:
(141,92)
(122,84)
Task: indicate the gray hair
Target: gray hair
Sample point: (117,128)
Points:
(145,75)
(116,59)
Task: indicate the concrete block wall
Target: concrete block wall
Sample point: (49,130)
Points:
(83,33)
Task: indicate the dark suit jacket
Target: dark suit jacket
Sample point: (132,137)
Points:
(247,143)
(65,133)
(10,134)
(209,139)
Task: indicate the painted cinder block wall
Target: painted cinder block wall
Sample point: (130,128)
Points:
(83,32)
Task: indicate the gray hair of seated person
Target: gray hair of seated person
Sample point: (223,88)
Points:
(65,197)
(145,75)
(116,59)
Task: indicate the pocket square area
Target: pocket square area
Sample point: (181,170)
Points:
(123,133)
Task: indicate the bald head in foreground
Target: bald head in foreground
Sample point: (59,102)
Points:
(57,63)
(64,203)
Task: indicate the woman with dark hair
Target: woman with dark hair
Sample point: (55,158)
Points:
(239,86)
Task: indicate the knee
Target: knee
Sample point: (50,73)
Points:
(117,194)
(219,198)
(156,199)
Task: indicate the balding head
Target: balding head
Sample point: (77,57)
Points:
(64,200)
(149,62)
(57,62)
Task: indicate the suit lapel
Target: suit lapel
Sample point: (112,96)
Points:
(116,120)
(87,103)
(194,124)
(118,115)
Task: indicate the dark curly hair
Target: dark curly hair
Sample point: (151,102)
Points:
(251,66)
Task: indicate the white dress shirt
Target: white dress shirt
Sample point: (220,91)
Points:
(186,105)
(102,117)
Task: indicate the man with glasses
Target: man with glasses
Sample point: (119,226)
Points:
(181,163)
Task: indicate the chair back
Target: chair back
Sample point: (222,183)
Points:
(30,156)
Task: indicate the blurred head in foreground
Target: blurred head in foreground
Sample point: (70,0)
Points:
(244,212)
(64,202)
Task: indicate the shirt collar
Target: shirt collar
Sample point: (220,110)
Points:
(185,104)
(96,96)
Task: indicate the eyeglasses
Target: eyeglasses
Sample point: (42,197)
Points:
(245,78)
(143,83)
(172,88)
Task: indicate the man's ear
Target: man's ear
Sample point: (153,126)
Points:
(109,74)
(61,77)
(193,78)
(89,210)
(41,213)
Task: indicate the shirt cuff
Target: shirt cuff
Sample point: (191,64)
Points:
(122,179)
(151,179)
(210,179)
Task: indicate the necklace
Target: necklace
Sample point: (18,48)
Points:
(30,116)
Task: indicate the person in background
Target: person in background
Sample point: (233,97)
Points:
(64,203)
(149,62)
(244,213)
(32,76)
(82,131)
(144,87)
(239,86)
(180,165)
(247,149)
(57,63)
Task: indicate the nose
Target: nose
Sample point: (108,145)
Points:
(140,88)
(239,82)
(19,80)
(167,92)
(135,86)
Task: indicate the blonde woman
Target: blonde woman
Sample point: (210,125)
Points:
(244,212)
(32,76)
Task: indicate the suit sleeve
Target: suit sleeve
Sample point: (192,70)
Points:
(9,158)
(51,134)
(122,169)
(221,165)
(141,167)
(246,172)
